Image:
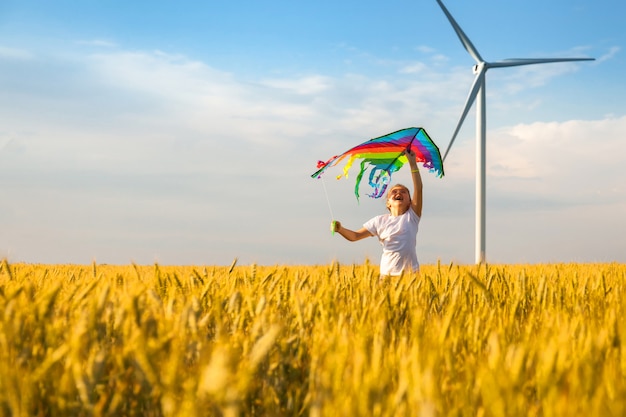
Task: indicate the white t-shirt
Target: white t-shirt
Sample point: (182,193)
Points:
(398,235)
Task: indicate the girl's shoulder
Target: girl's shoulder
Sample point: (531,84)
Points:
(378,220)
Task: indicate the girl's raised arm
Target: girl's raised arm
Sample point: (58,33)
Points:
(416,200)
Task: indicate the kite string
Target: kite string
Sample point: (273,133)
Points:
(332,216)
(327,199)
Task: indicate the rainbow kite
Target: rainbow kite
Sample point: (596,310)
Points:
(386,155)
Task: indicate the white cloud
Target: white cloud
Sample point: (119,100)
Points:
(534,76)
(413,68)
(15,53)
(102,43)
(308,85)
(425,49)
(613,51)
(556,150)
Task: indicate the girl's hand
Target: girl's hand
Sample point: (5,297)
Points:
(335,226)
(411,157)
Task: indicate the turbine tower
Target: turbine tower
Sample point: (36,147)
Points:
(477,92)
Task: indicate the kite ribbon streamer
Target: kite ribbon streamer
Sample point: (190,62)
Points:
(386,155)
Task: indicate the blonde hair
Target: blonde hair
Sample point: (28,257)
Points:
(391,188)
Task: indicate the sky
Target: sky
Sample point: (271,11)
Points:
(185,133)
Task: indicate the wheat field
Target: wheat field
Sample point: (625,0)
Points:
(329,340)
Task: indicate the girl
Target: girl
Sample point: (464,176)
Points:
(396,230)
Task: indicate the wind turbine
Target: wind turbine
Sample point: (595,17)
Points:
(477,92)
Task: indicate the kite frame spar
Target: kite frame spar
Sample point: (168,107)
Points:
(386,155)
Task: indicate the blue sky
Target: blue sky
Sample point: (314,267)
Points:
(185,132)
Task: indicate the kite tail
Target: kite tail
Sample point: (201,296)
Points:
(380,183)
(358,180)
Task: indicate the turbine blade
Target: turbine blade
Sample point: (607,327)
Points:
(529,61)
(478,82)
(469,47)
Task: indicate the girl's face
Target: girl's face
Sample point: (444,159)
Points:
(399,197)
